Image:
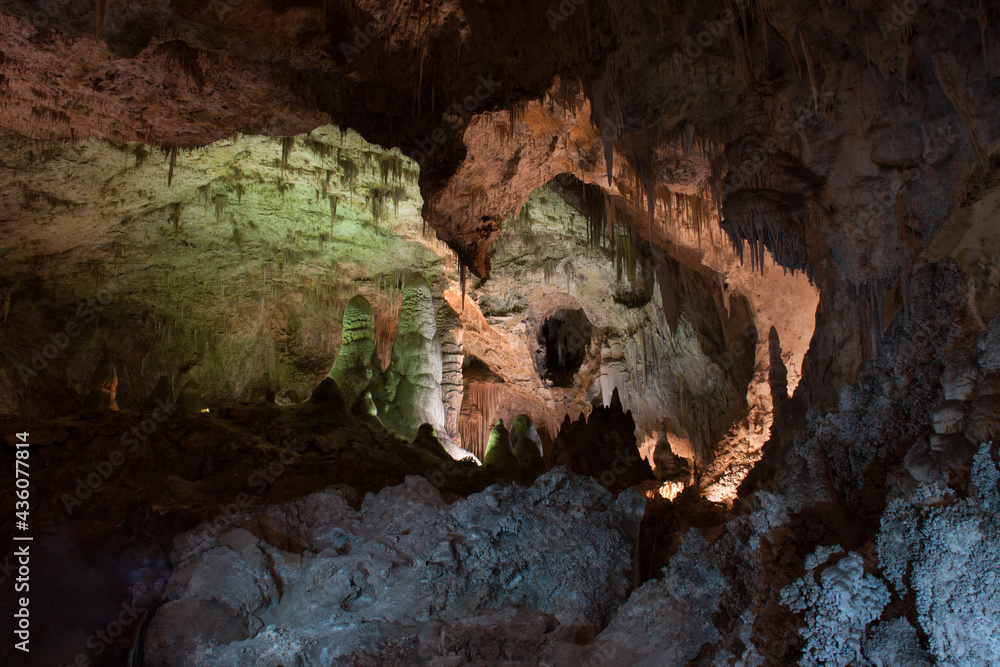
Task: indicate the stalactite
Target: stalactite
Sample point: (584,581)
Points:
(175,215)
(101,7)
(549,269)
(481,404)
(595,202)
(477,194)
(334,201)
(376,197)
(287,143)
(609,157)
(172,157)
(349,174)
(462,278)
(812,74)
(326,182)
(984,24)
(386,328)
(391,166)
(220,206)
(186,58)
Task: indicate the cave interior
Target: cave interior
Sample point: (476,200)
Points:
(583,332)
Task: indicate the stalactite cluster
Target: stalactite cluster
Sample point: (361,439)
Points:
(481,404)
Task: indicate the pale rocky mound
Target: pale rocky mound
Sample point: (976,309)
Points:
(315,581)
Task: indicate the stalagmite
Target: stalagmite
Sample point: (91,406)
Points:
(427,440)
(451,334)
(102,387)
(410,393)
(524,429)
(356,364)
(499,453)
(529,460)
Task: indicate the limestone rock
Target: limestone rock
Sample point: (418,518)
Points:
(949,417)
(499,453)
(410,394)
(959,379)
(450,332)
(427,440)
(356,365)
(983,421)
(923,464)
(529,460)
(404,558)
(668,620)
(603,447)
(777,376)
(327,396)
(900,146)
(669,466)
(521,428)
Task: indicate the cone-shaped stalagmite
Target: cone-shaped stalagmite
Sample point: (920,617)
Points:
(669,466)
(328,392)
(427,439)
(410,393)
(499,453)
(777,376)
(522,428)
(364,406)
(102,387)
(602,446)
(355,365)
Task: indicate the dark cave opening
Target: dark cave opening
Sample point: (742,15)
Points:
(564,337)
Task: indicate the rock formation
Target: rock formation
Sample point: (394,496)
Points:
(410,392)
(160,396)
(485,215)
(524,429)
(451,333)
(500,454)
(602,446)
(289,581)
(356,364)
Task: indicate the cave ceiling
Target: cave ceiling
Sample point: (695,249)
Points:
(835,139)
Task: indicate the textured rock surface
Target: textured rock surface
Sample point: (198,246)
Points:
(356,364)
(602,446)
(410,391)
(669,620)
(948,556)
(305,570)
(839,602)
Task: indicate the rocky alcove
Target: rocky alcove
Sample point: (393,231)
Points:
(564,337)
